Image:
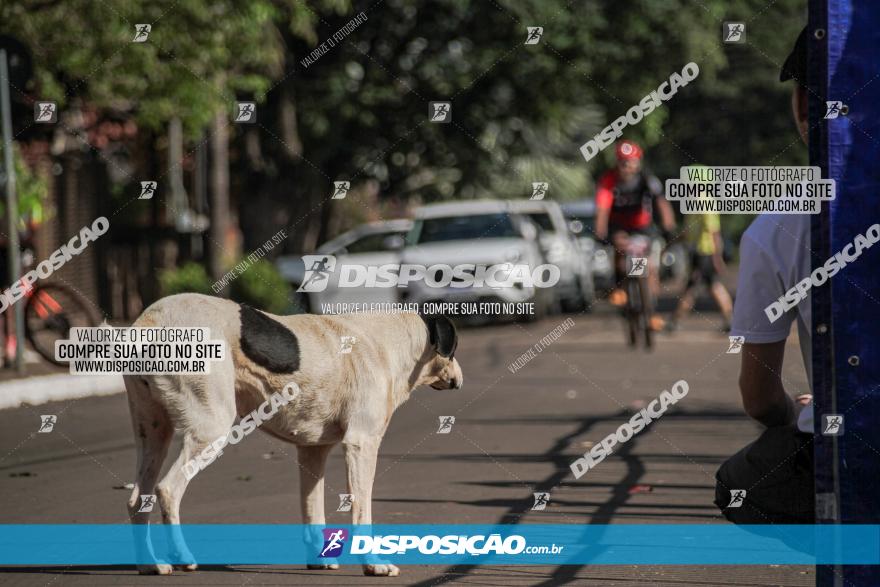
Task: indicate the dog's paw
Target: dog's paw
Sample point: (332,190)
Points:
(381,570)
(323,567)
(184,560)
(157,569)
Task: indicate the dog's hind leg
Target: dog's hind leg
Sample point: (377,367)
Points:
(153,430)
(312,461)
(361,453)
(204,425)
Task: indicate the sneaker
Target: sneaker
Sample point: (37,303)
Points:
(617,297)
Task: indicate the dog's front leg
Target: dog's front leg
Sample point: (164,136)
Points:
(312,461)
(361,453)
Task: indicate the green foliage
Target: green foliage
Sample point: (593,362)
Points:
(199,53)
(31,189)
(191,277)
(263,287)
(519,112)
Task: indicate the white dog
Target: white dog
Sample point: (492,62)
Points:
(347,394)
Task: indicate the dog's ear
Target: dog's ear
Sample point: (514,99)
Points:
(442,335)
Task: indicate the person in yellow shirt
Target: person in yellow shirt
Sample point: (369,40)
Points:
(706,246)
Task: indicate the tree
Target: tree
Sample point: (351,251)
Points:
(520,112)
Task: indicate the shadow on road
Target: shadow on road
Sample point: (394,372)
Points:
(560,455)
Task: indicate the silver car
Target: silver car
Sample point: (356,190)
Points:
(479,234)
(575,291)
(369,245)
(581,217)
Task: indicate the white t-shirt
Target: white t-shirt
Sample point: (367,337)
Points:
(774,256)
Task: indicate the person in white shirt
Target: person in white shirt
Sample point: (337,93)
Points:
(772,477)
(774,256)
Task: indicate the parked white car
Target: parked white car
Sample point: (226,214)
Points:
(482,233)
(575,291)
(581,218)
(368,245)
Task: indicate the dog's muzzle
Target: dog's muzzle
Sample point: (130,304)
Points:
(453,383)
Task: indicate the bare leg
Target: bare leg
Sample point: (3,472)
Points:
(722,298)
(685,305)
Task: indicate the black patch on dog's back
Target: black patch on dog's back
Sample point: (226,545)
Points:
(267,342)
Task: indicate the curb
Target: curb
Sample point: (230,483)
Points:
(52,388)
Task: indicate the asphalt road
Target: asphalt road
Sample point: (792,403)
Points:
(514,434)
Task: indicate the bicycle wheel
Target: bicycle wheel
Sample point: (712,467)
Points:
(51,311)
(647,312)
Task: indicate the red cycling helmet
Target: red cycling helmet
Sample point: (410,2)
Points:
(628,150)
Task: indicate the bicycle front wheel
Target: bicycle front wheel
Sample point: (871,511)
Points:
(647,312)
(51,311)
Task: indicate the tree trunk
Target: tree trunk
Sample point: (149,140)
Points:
(218,232)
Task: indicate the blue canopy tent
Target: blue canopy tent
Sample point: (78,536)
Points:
(844,66)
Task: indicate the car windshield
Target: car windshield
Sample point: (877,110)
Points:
(452,228)
(542,219)
(372,242)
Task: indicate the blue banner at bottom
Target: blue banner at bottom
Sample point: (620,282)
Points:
(528,544)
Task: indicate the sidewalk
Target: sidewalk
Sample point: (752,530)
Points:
(57,386)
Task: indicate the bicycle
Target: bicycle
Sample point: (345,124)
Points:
(639,305)
(50,311)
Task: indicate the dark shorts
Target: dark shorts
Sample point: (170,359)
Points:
(702,269)
(775,472)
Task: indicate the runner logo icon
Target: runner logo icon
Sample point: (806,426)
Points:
(147,503)
(141,33)
(638,266)
(440,111)
(734,32)
(148,189)
(541,501)
(833,425)
(318,270)
(340,190)
(539,190)
(45,112)
(446,423)
(246,112)
(736,345)
(737,497)
(534,34)
(346,500)
(833,109)
(47,423)
(334,541)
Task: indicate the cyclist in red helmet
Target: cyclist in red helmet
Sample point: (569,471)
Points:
(625,200)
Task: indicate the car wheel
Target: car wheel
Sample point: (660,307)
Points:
(578,302)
